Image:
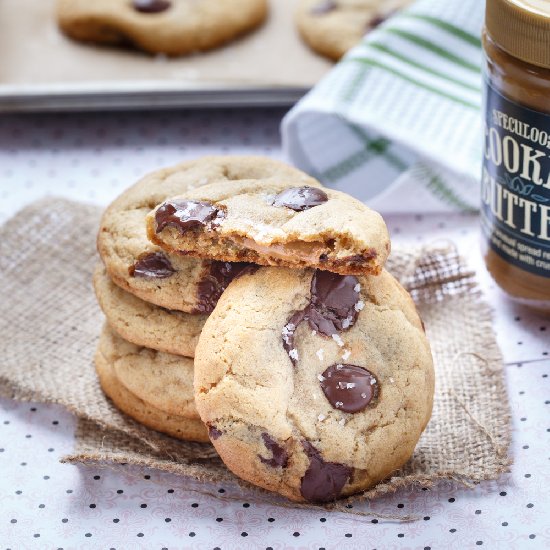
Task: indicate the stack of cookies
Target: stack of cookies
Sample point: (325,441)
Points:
(311,376)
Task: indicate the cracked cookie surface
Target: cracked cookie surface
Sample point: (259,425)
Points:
(291,222)
(140,267)
(146,324)
(172,27)
(320,406)
(332,27)
(154,388)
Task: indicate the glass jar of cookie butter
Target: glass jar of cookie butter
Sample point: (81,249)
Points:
(515,186)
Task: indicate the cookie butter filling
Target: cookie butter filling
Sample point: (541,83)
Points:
(306,251)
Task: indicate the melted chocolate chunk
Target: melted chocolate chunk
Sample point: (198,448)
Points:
(349,388)
(333,297)
(288,334)
(152,265)
(332,308)
(215,281)
(279,457)
(323,481)
(185,215)
(325,6)
(300,198)
(213,432)
(151,6)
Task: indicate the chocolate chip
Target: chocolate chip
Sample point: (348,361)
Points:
(184,215)
(349,388)
(216,279)
(333,308)
(300,198)
(213,432)
(323,481)
(325,6)
(152,265)
(279,455)
(333,298)
(377,20)
(151,6)
(357,259)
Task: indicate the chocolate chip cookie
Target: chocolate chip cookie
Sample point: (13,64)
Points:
(314,385)
(332,27)
(154,388)
(145,324)
(171,27)
(291,222)
(174,281)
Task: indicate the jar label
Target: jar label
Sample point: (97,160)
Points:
(515,184)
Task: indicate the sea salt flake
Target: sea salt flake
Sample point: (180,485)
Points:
(287,332)
(320,353)
(293,354)
(313,332)
(364,395)
(338,404)
(321,417)
(359,305)
(357,287)
(321,378)
(372,381)
(338,340)
(346,354)
(350,385)
(339,367)
(392,380)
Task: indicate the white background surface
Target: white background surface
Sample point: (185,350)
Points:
(44,504)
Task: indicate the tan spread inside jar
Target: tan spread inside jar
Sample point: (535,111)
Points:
(527,85)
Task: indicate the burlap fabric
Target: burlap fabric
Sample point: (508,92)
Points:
(50,324)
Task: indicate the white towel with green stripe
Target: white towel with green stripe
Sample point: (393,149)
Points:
(397,122)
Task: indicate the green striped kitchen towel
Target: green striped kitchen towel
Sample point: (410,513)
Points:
(397,122)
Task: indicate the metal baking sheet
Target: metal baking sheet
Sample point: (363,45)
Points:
(41,69)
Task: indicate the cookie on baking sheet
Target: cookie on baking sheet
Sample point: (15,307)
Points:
(154,388)
(172,27)
(171,280)
(146,324)
(314,385)
(332,27)
(284,222)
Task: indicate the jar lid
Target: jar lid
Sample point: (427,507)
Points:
(522,28)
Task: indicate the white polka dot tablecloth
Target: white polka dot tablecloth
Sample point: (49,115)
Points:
(45,504)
